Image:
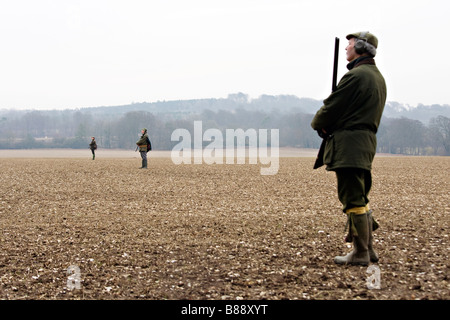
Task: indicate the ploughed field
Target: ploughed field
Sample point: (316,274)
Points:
(82,229)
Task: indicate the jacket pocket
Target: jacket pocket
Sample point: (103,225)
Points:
(329,150)
(143,148)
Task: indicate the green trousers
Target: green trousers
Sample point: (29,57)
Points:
(353,185)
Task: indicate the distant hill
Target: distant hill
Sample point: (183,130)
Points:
(265,103)
(280,104)
(422,112)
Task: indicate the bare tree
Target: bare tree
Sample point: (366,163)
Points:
(440,132)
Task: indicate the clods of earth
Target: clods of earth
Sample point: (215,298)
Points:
(104,229)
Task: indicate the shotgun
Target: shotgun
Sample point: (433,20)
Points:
(324,136)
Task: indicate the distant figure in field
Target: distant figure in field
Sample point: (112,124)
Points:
(93,147)
(144,146)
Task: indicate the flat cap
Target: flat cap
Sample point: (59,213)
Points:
(364,35)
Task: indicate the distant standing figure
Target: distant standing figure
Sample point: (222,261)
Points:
(93,147)
(142,143)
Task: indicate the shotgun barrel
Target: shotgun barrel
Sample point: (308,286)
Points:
(335,65)
(319,159)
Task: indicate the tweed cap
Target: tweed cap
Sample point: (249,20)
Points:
(364,35)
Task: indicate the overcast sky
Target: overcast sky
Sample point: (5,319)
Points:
(58,54)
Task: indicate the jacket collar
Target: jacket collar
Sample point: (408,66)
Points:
(361,60)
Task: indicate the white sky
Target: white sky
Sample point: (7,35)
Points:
(58,54)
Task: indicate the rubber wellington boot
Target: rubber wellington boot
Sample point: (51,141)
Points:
(360,253)
(144,164)
(373,225)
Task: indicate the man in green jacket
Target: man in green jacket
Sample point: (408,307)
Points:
(349,119)
(142,143)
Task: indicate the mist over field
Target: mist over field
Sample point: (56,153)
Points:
(423,130)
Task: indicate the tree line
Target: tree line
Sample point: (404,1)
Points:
(73,129)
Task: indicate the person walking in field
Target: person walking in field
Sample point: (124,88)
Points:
(350,118)
(144,145)
(93,147)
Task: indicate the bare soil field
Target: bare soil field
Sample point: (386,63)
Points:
(209,232)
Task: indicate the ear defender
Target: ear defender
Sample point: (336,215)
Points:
(361,43)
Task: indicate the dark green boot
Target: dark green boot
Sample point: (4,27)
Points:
(144,164)
(359,230)
(373,225)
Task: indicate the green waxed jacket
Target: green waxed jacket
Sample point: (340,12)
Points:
(142,142)
(351,115)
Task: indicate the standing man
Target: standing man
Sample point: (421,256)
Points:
(350,118)
(93,147)
(142,143)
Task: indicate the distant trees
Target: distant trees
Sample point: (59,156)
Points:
(127,129)
(440,133)
(402,136)
(412,137)
(116,127)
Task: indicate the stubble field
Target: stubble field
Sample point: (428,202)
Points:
(215,231)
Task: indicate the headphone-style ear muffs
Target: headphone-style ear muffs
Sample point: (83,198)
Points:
(361,43)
